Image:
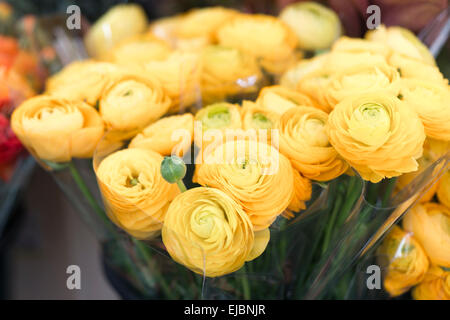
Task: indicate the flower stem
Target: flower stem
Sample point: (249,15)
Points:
(181,185)
(89,197)
(331,224)
(245,284)
(147,259)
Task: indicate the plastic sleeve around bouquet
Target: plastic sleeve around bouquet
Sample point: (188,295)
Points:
(368,221)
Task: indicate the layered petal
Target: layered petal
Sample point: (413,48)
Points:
(377,134)
(135,195)
(208,232)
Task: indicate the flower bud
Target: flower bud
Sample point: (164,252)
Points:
(173,169)
(316,26)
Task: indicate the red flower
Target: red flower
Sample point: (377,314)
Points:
(10,146)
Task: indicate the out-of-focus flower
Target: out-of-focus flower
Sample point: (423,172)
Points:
(264,37)
(9,48)
(429,224)
(208,232)
(412,68)
(169,135)
(402,41)
(377,134)
(179,74)
(138,50)
(432,102)
(135,194)
(82,80)
(130,102)
(361,79)
(407,261)
(432,151)
(443,190)
(10,146)
(57,129)
(204,22)
(316,80)
(226,72)
(303,139)
(250,172)
(118,23)
(279,99)
(355,45)
(315,25)
(435,286)
(290,78)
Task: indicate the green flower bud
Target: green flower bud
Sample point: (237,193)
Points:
(173,169)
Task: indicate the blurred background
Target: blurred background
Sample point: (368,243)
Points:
(41,234)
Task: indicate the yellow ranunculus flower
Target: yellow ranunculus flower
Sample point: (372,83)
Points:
(435,286)
(179,75)
(165,28)
(204,22)
(135,195)
(429,224)
(166,134)
(432,151)
(208,232)
(57,129)
(226,72)
(82,80)
(302,68)
(262,238)
(432,102)
(443,189)
(411,68)
(304,140)
(218,116)
(264,37)
(255,116)
(118,23)
(315,25)
(339,60)
(131,102)
(316,83)
(377,134)
(402,41)
(302,192)
(251,172)
(355,45)
(361,79)
(407,261)
(279,99)
(139,50)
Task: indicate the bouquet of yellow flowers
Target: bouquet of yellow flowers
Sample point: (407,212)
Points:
(229,166)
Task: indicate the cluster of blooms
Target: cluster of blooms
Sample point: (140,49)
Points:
(22,75)
(417,255)
(367,104)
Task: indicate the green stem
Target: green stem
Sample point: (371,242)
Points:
(181,185)
(388,192)
(245,284)
(330,224)
(147,259)
(89,197)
